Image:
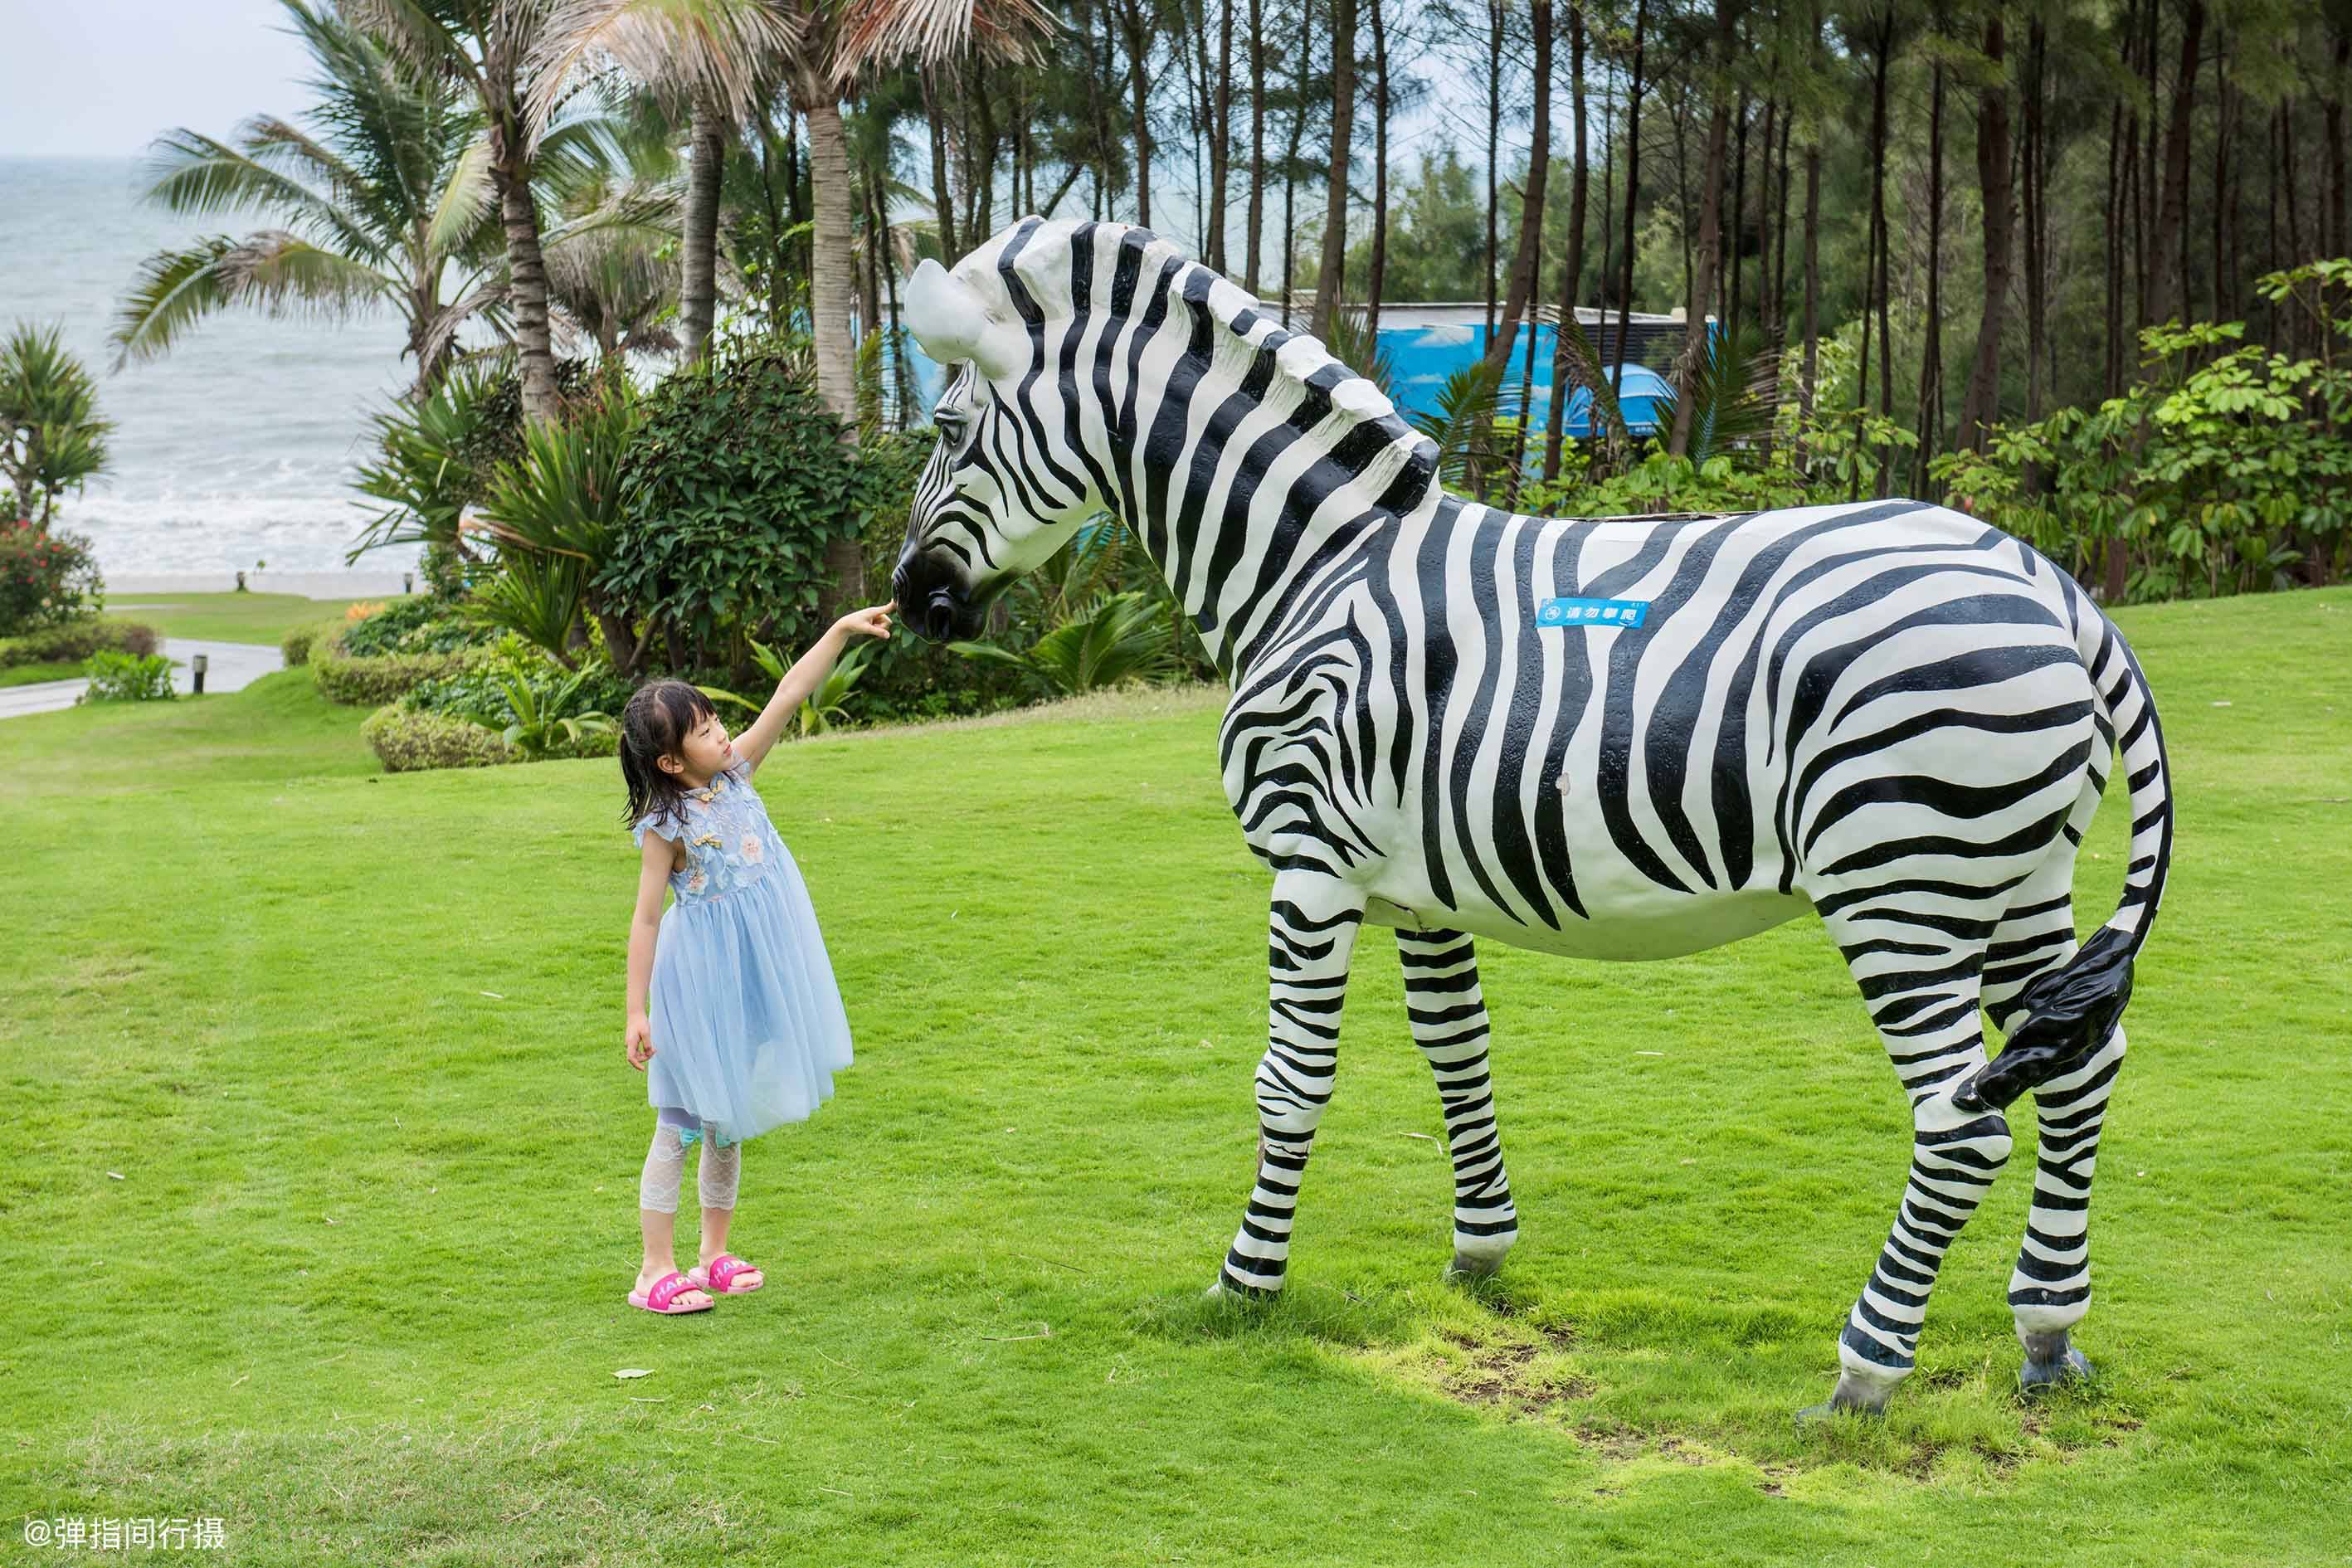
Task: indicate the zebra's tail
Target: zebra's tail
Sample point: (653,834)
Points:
(2069,1012)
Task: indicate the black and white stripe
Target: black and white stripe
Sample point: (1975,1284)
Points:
(1887,711)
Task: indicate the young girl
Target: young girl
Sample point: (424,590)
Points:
(749,1023)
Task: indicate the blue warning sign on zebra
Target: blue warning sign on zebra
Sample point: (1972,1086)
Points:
(1590,612)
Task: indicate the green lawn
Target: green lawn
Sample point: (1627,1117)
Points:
(352,1042)
(32,674)
(229,617)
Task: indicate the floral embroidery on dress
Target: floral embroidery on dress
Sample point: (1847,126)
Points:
(729,842)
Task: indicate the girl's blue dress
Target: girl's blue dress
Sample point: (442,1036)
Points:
(748,1026)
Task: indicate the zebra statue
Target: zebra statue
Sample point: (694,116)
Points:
(1626,739)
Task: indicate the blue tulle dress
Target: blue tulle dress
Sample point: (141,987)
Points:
(748,1026)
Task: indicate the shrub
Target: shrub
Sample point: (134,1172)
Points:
(296,644)
(342,678)
(737,485)
(419,625)
(407,740)
(76,640)
(482,687)
(118,677)
(47,577)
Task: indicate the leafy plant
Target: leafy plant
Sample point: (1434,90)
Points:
(555,514)
(1470,425)
(822,707)
(1118,637)
(51,438)
(47,577)
(536,711)
(118,677)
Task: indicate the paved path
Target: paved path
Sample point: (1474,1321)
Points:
(230,665)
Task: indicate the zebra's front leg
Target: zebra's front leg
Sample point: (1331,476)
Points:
(1310,934)
(1448,1015)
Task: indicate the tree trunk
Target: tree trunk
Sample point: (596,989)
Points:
(2037,227)
(526,275)
(1764,223)
(1571,268)
(1377,277)
(1290,161)
(1221,127)
(1493,147)
(1885,42)
(1521,296)
(942,197)
(1257,143)
(2110,385)
(1729,236)
(1931,352)
(697,289)
(1633,192)
(831,280)
(1710,220)
(1813,316)
(2171,299)
(1139,49)
(2337,243)
(1779,319)
(1329,280)
(1981,405)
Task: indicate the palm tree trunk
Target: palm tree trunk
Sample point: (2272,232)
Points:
(697,289)
(1333,272)
(526,276)
(831,281)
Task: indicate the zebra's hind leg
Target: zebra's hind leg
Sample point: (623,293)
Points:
(2051,1289)
(1917,957)
(1310,934)
(1448,1015)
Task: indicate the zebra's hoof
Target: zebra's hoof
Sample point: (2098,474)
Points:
(1853,1397)
(2048,1366)
(1225,1287)
(1473,1266)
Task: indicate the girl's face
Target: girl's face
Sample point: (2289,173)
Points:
(705,750)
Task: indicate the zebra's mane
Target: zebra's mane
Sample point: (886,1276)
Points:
(1035,256)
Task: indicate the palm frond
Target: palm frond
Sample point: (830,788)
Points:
(1731,396)
(193,176)
(930,32)
(466,201)
(175,289)
(1352,345)
(1593,375)
(1463,424)
(677,48)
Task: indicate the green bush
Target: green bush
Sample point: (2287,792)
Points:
(369,681)
(76,640)
(47,577)
(407,740)
(481,687)
(118,677)
(296,644)
(418,625)
(736,485)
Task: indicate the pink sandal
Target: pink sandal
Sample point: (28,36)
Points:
(663,1297)
(720,1275)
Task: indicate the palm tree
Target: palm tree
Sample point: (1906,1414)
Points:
(372,205)
(484,48)
(51,437)
(818,49)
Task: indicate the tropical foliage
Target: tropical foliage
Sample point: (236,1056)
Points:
(51,437)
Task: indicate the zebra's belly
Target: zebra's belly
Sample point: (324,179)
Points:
(1628,924)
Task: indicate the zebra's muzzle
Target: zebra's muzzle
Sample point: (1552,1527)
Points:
(931,601)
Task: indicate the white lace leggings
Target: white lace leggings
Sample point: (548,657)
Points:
(715,1179)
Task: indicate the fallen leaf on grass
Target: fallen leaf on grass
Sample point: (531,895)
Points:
(116,1174)
(493,996)
(1649,1053)
(635,1371)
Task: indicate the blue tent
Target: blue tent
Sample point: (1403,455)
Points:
(1643,396)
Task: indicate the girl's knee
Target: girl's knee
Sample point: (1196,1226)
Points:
(665,1168)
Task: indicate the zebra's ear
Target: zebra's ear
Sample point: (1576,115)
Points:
(952,323)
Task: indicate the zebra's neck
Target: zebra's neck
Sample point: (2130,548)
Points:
(1243,456)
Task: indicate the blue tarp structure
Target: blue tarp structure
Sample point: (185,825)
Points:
(1427,343)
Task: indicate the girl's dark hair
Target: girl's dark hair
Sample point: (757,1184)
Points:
(658,717)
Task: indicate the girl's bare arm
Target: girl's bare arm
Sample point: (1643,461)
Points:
(645,926)
(807,673)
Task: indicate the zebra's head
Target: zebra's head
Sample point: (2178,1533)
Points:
(1004,487)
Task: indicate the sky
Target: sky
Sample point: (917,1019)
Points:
(102,78)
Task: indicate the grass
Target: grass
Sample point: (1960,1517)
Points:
(353,1044)
(29,674)
(229,618)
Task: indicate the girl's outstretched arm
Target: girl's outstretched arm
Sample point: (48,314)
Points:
(808,673)
(645,927)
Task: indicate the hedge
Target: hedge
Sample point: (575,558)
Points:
(77,640)
(296,644)
(369,681)
(409,742)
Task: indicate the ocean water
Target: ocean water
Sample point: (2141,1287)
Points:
(236,447)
